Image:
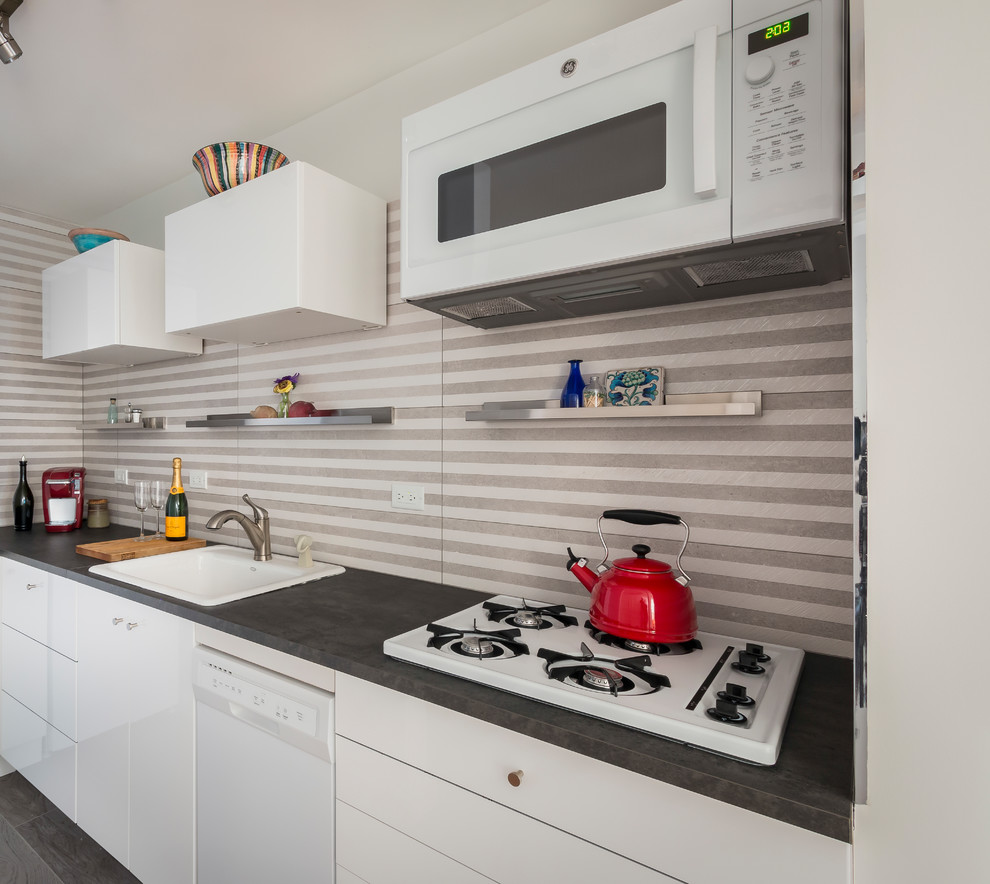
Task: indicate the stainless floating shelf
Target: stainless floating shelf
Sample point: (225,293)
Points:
(158,424)
(340,416)
(748,404)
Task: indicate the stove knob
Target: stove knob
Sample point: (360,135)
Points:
(757,650)
(515,778)
(726,707)
(726,712)
(736,694)
(749,663)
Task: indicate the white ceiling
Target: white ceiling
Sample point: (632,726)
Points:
(111,98)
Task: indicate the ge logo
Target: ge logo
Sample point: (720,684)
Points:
(568,67)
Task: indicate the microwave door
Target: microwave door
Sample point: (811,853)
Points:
(629,160)
(614,159)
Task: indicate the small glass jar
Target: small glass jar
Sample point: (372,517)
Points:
(98,513)
(112,412)
(594,393)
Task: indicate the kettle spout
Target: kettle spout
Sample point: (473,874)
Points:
(579,568)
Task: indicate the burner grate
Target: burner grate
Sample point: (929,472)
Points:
(629,644)
(603,674)
(529,616)
(477,644)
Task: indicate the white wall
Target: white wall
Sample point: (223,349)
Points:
(928,319)
(359,139)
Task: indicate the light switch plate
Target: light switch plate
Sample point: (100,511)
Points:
(197,479)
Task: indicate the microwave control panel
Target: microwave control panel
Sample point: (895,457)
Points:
(788,135)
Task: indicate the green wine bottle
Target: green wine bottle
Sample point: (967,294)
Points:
(23,502)
(176,507)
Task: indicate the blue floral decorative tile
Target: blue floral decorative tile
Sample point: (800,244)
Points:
(635,386)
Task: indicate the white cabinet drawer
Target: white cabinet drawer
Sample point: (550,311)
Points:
(344,876)
(44,755)
(40,605)
(377,854)
(493,840)
(41,679)
(670,829)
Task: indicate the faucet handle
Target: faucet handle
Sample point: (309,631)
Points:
(259,512)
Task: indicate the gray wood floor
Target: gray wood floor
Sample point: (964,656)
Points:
(40,845)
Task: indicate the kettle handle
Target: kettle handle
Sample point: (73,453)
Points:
(646,517)
(642,517)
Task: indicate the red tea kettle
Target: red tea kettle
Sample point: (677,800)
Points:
(639,598)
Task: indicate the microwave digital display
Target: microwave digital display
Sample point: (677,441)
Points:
(609,160)
(781,32)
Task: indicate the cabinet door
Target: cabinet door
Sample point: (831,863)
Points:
(162,771)
(136,772)
(107,305)
(102,681)
(294,253)
(44,755)
(469,829)
(40,605)
(372,852)
(79,303)
(41,679)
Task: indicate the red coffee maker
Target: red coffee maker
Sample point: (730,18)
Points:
(62,494)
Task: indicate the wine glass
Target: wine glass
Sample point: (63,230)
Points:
(142,497)
(159,494)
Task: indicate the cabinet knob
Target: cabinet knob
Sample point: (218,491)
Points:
(117,620)
(131,626)
(32,585)
(515,778)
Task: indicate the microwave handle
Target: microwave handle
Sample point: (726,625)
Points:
(705,58)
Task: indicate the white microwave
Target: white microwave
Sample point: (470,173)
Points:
(696,153)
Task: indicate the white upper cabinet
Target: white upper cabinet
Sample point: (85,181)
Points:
(107,306)
(292,254)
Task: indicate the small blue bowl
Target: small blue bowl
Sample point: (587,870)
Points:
(86,238)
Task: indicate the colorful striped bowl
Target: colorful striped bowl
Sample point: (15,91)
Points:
(229,163)
(86,238)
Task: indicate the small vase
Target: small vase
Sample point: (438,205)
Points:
(283,405)
(570,396)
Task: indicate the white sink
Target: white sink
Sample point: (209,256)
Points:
(213,575)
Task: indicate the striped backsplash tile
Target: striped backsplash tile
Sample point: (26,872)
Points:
(40,401)
(769,499)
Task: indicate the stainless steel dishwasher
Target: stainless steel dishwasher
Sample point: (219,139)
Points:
(264,774)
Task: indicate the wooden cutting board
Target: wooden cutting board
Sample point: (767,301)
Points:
(132,548)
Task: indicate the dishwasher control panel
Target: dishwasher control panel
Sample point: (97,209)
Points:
(243,686)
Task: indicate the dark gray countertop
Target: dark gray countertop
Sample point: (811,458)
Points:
(342,621)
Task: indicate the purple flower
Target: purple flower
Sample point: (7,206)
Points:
(284,385)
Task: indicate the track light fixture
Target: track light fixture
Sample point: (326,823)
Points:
(9,50)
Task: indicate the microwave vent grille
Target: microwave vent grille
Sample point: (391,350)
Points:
(485,309)
(755,267)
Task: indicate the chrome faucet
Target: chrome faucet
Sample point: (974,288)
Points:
(257,531)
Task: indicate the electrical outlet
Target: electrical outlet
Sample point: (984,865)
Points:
(408,497)
(120,475)
(197,479)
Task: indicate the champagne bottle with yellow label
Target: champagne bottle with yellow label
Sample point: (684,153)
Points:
(176,507)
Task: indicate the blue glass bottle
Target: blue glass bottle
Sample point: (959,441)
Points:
(570,396)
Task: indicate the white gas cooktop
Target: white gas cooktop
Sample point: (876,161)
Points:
(727,695)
